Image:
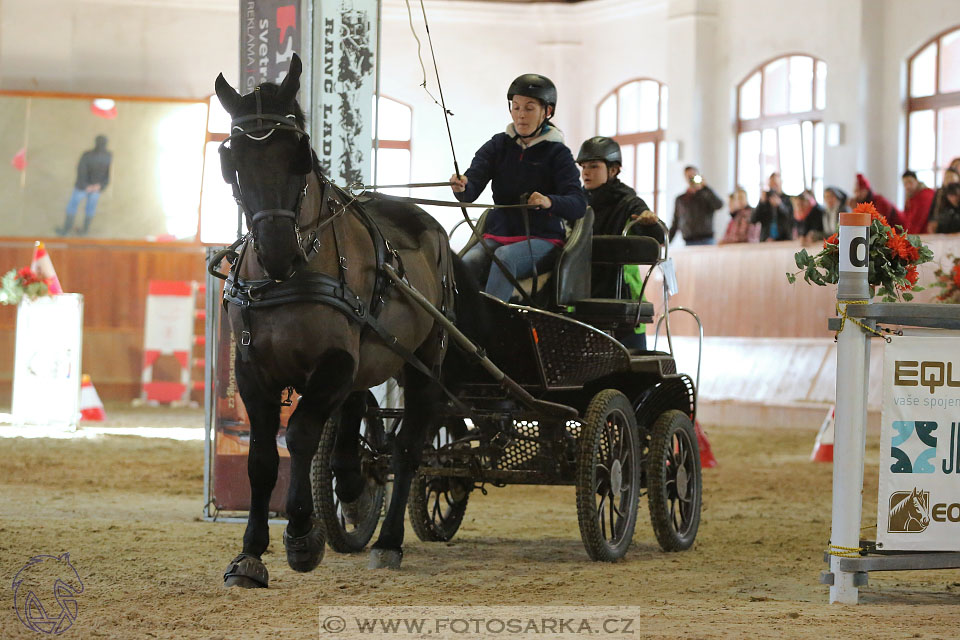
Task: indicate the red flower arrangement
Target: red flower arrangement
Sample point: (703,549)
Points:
(19,283)
(948,282)
(893,259)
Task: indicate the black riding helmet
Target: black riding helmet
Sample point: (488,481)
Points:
(533,85)
(600,148)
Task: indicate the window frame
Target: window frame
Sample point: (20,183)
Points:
(636,138)
(388,143)
(935,102)
(762,122)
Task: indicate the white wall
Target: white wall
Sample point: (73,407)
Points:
(175,48)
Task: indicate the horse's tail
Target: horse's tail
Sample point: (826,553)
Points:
(471,309)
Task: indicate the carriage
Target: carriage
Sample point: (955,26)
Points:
(611,421)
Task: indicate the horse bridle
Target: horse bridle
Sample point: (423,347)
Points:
(266,123)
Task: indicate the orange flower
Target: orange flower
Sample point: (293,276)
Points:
(867,207)
(912,275)
(956,275)
(834,239)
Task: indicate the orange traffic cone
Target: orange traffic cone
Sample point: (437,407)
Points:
(91,409)
(823,445)
(43,267)
(707,461)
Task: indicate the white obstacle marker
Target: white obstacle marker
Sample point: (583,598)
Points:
(932,547)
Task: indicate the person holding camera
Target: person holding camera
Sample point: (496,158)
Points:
(528,164)
(693,211)
(774,212)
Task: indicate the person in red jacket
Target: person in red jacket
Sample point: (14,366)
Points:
(864,193)
(916,208)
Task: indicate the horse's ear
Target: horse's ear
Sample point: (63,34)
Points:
(227,95)
(291,82)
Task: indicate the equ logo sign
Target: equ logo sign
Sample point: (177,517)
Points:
(909,511)
(913,454)
(45,594)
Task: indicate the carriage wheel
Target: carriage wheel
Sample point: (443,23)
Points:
(349,529)
(674,481)
(608,476)
(437,504)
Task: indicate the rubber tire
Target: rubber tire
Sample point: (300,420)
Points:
(658,489)
(591,433)
(419,509)
(325,502)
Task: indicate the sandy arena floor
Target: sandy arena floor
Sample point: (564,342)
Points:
(128,510)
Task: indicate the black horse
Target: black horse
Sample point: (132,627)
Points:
(311,309)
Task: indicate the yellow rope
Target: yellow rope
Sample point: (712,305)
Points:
(844,552)
(842,312)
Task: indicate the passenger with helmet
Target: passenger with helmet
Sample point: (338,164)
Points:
(528,164)
(614,205)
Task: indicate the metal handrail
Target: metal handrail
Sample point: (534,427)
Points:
(656,335)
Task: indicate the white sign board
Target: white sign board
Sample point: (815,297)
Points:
(919,501)
(46,371)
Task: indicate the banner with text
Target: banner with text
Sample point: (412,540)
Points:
(269,36)
(919,502)
(347,82)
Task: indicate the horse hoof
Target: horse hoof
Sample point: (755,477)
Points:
(305,552)
(246,571)
(385,559)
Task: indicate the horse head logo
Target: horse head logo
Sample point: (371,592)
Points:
(909,511)
(45,594)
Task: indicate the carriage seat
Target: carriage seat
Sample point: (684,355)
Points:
(613,313)
(565,275)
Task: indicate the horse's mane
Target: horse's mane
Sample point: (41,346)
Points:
(900,506)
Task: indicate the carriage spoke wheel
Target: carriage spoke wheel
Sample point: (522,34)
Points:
(437,504)
(349,527)
(608,476)
(674,481)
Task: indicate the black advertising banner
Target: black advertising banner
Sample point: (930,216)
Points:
(270,33)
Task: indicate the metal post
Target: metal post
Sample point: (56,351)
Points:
(851,411)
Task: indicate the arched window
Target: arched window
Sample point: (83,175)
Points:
(635,115)
(933,106)
(780,125)
(393,151)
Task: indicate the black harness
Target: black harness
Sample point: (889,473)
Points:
(312,286)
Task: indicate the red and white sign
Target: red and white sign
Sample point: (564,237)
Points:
(169,331)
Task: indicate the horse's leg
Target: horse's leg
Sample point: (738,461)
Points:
(324,392)
(421,398)
(345,461)
(263,410)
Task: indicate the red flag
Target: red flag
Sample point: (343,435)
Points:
(19,161)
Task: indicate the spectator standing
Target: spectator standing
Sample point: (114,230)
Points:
(863,192)
(740,229)
(916,207)
(949,177)
(693,211)
(774,212)
(834,203)
(948,215)
(93,174)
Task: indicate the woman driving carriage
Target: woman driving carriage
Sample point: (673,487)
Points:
(528,164)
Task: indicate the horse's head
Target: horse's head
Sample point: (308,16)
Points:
(267,159)
(919,503)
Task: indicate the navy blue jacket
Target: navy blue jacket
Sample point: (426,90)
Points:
(516,172)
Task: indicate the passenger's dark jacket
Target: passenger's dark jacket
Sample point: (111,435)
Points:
(94,167)
(545,166)
(766,215)
(948,217)
(693,214)
(613,203)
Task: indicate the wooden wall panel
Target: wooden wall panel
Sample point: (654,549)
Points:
(742,290)
(113,278)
